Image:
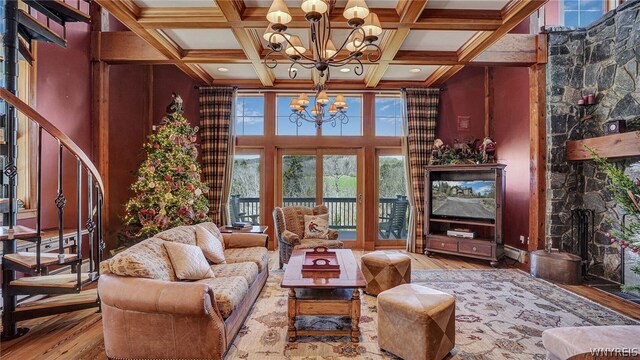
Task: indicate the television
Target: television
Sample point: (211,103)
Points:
(463,197)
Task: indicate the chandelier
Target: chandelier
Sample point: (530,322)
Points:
(323,53)
(336,113)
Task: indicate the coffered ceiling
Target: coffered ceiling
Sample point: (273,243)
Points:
(220,42)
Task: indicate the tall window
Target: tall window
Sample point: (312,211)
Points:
(284,125)
(580,13)
(244,204)
(249,115)
(388,115)
(351,128)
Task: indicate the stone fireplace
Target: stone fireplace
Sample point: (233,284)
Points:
(602,59)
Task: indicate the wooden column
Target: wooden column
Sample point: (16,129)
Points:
(269,169)
(370,200)
(488,101)
(100,107)
(538,156)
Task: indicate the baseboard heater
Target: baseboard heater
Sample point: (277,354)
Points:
(514,253)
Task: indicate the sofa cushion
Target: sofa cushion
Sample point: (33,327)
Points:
(248,270)
(566,342)
(229,292)
(211,247)
(188,261)
(258,255)
(313,243)
(316,226)
(213,229)
(147,259)
(180,234)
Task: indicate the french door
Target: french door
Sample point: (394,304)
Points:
(332,177)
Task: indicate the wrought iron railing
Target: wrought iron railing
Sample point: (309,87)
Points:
(342,210)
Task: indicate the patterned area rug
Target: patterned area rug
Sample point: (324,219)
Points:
(500,314)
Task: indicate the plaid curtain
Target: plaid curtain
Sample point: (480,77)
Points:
(420,119)
(218,140)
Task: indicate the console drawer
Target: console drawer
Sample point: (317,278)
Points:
(476,249)
(443,244)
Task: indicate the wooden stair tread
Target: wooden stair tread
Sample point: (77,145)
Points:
(60,280)
(28,259)
(30,26)
(53,232)
(61,11)
(19,232)
(83,297)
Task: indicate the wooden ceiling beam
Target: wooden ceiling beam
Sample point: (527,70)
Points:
(390,44)
(512,14)
(306,85)
(126,12)
(410,10)
(169,18)
(231,14)
(248,39)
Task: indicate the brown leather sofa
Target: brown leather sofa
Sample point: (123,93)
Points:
(148,314)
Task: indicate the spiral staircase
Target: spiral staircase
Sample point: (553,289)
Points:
(45,271)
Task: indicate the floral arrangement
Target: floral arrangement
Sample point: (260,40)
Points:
(463,151)
(168,190)
(626,192)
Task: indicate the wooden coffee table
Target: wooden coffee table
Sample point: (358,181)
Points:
(324,294)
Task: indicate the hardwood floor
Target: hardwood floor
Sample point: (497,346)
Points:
(78,335)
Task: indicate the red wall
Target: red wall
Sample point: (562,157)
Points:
(464,96)
(63,96)
(129,123)
(511,134)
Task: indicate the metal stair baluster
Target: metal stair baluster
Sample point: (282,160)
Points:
(90,223)
(79,221)
(60,202)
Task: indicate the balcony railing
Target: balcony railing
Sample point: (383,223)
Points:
(342,211)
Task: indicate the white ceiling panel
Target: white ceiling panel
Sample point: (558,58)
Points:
(282,71)
(174,3)
(404,72)
(467,4)
(436,40)
(234,71)
(340,3)
(203,38)
(337,74)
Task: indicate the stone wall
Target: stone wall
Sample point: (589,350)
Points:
(601,59)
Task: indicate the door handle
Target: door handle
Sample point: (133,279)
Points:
(360,198)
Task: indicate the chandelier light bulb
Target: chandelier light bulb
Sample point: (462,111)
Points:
(303,100)
(277,36)
(317,6)
(279,13)
(322,98)
(372,25)
(356,10)
(295,48)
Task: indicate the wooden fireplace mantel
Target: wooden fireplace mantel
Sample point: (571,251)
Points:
(609,146)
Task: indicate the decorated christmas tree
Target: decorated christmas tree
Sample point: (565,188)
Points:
(168,190)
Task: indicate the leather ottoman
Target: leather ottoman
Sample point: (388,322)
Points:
(416,322)
(384,271)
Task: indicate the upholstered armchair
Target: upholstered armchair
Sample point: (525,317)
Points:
(290,231)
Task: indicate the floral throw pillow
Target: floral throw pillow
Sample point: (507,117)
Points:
(316,226)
